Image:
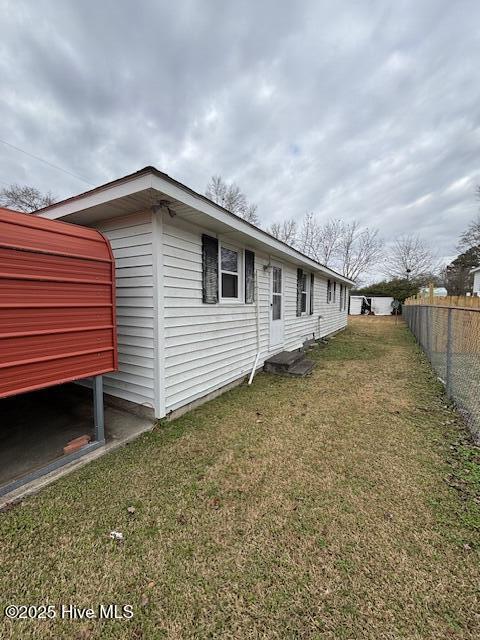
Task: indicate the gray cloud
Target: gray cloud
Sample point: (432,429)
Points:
(364,110)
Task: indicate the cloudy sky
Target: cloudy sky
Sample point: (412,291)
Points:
(366,110)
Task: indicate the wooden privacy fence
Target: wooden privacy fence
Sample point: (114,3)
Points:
(448,330)
(465,302)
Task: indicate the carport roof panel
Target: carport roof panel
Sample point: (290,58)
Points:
(57,303)
(27,232)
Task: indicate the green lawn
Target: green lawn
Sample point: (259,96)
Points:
(344,505)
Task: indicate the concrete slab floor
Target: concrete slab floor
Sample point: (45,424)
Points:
(34,428)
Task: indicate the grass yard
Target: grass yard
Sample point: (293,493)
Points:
(344,505)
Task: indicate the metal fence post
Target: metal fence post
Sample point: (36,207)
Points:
(448,382)
(98,411)
(421,327)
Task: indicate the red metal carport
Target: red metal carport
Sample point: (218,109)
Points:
(57,306)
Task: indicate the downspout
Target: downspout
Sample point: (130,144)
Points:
(257,314)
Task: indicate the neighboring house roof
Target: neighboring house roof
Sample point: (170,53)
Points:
(475,269)
(143,188)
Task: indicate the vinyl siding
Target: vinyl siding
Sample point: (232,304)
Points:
(131,240)
(476,282)
(208,346)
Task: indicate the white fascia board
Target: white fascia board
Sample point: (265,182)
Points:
(239,225)
(475,269)
(102,196)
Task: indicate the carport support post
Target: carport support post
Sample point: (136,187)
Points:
(98,413)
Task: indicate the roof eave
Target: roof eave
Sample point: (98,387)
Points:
(151,178)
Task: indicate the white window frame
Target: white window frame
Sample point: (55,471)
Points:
(240,273)
(329,291)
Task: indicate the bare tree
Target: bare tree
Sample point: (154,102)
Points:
(359,248)
(231,198)
(321,241)
(410,257)
(250,215)
(471,236)
(307,241)
(348,247)
(285,231)
(24,198)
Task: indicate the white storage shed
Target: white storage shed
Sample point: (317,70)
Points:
(375,305)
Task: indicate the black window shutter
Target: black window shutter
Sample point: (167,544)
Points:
(209,269)
(312,290)
(299,291)
(249,276)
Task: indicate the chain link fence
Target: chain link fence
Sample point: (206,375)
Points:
(450,337)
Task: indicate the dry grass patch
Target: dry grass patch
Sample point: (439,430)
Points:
(313,508)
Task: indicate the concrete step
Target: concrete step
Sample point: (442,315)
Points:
(301,369)
(289,363)
(282,361)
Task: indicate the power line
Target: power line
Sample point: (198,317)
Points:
(75,175)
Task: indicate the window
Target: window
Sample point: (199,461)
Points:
(329,291)
(341,297)
(334,292)
(303,291)
(276,293)
(303,306)
(229,273)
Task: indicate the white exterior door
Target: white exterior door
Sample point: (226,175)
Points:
(276,306)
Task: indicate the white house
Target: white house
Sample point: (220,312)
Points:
(438,292)
(200,292)
(476,281)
